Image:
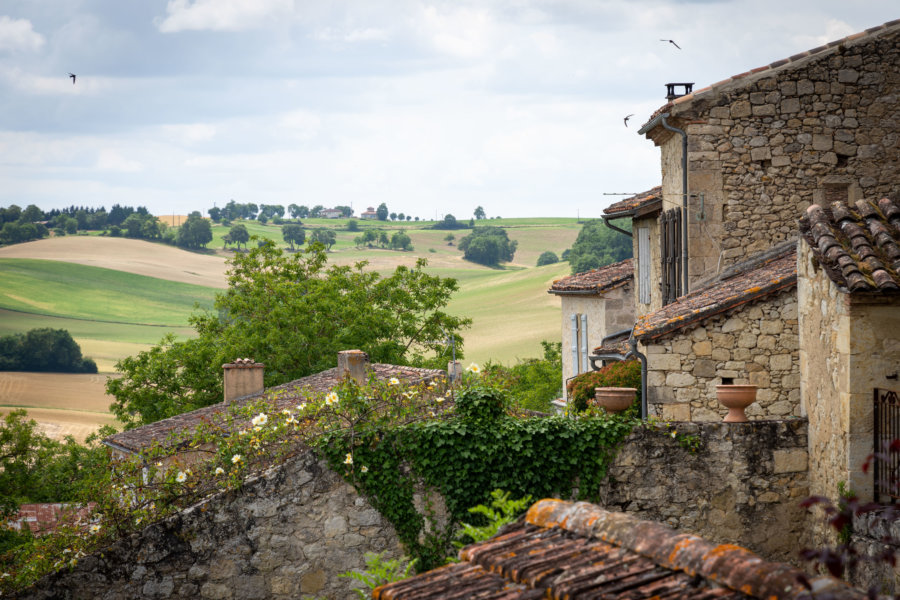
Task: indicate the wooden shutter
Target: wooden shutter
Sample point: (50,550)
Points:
(643,240)
(670,247)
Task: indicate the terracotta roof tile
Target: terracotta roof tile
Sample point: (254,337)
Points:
(171,431)
(765,71)
(579,550)
(858,244)
(635,202)
(616,345)
(595,281)
(730,291)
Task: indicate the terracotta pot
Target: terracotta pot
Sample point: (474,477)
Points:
(736,398)
(614,399)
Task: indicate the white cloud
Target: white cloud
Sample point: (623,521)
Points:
(222,15)
(190,133)
(18,35)
(368,34)
(111,160)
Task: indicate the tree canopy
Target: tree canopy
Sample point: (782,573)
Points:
(596,246)
(43,350)
(293,234)
(293,313)
(488,246)
(547,258)
(382,212)
(195,232)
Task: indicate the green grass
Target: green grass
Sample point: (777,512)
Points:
(75,291)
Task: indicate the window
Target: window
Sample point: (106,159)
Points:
(670,250)
(579,344)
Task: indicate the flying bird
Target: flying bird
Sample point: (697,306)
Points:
(72,75)
(672,42)
(626,119)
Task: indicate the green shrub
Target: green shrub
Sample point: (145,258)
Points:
(547,258)
(618,374)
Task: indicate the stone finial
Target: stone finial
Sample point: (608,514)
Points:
(242,377)
(353,363)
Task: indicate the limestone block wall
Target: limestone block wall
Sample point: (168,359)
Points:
(287,534)
(758,344)
(742,485)
(850,346)
(765,147)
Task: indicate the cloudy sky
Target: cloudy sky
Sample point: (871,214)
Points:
(429,106)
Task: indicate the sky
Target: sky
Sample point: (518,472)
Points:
(431,107)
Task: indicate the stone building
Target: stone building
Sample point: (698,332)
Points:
(849,304)
(749,154)
(741,160)
(741,328)
(595,304)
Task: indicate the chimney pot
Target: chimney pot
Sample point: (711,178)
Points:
(352,363)
(671,94)
(242,377)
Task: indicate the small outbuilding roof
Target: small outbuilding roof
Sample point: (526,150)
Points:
(171,431)
(595,281)
(857,244)
(579,550)
(752,280)
(644,200)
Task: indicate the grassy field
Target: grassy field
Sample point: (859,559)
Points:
(118,296)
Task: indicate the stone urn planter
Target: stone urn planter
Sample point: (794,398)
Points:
(736,398)
(614,399)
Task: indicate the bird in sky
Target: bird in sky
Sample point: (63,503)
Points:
(626,119)
(72,75)
(672,42)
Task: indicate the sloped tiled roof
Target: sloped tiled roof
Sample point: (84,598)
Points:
(595,281)
(614,345)
(733,290)
(857,244)
(575,551)
(170,432)
(767,70)
(635,202)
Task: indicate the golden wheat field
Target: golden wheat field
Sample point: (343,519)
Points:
(61,403)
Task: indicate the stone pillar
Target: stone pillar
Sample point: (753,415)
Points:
(353,363)
(242,377)
(454,370)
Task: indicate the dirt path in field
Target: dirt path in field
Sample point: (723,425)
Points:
(132,256)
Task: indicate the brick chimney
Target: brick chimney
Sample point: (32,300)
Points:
(242,377)
(353,363)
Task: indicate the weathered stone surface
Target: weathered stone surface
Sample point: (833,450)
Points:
(687,373)
(287,533)
(729,490)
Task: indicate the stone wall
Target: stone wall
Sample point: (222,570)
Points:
(743,485)
(764,147)
(286,534)
(872,535)
(850,345)
(758,344)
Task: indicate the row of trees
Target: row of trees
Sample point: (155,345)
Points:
(370,238)
(596,246)
(269,212)
(43,350)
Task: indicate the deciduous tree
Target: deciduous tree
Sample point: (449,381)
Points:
(293,313)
